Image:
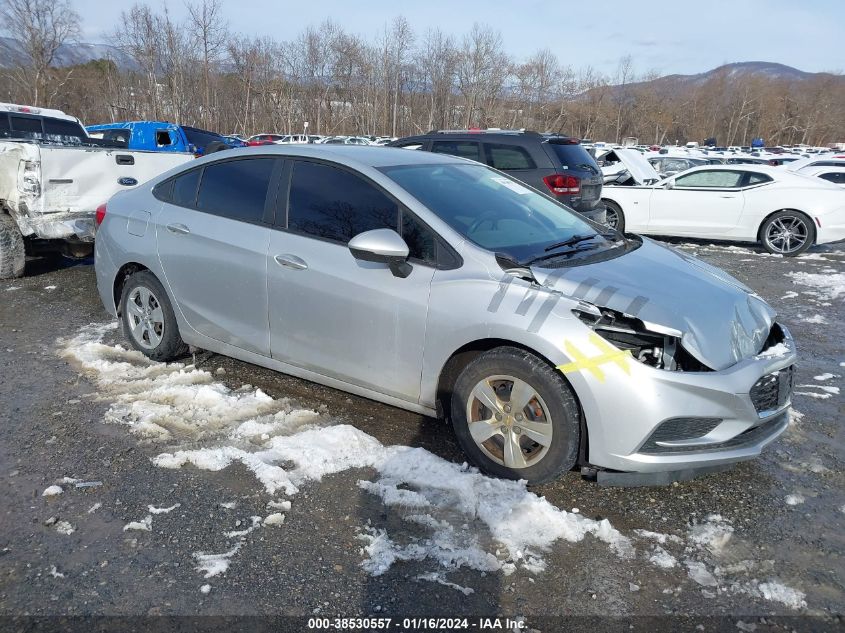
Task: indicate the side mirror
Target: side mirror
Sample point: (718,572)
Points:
(670,184)
(383,246)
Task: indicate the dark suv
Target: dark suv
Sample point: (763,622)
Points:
(556,165)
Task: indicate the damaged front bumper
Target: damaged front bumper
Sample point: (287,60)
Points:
(689,422)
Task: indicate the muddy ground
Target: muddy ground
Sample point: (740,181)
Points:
(52,425)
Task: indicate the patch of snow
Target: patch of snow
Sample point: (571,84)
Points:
(794,499)
(661,558)
(69,480)
(256,521)
(698,572)
(154,510)
(206,589)
(214,564)
(825,286)
(659,537)
(775,350)
(50,287)
(791,294)
(63,527)
(52,491)
(817,319)
(439,578)
(279,505)
(824,376)
(95,507)
(277,518)
(713,535)
(144,525)
(778,592)
(55,573)
(229,505)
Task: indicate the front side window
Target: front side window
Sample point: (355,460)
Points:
(507,157)
(334,204)
(236,189)
(464,149)
(500,214)
(420,239)
(711,178)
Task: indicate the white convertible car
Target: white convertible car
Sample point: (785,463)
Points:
(784,211)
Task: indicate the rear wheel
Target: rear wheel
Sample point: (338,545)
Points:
(148,320)
(615,219)
(787,233)
(12,253)
(515,416)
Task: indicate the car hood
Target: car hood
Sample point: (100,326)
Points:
(721,320)
(637,165)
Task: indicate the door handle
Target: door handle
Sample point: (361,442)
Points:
(727,196)
(291,261)
(181,229)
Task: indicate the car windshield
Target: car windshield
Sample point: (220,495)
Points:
(501,214)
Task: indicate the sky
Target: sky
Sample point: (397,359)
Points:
(682,36)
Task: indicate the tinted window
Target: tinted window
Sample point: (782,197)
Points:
(200,138)
(334,204)
(574,156)
(121,136)
(61,131)
(236,189)
(464,149)
(754,178)
(185,188)
(508,157)
(28,125)
(4,124)
(419,238)
(715,178)
(411,146)
(837,177)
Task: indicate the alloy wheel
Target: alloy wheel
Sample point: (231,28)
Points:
(787,234)
(509,421)
(146,318)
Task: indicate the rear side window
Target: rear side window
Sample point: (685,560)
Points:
(236,189)
(573,156)
(837,177)
(185,188)
(753,178)
(334,204)
(464,149)
(163,138)
(507,157)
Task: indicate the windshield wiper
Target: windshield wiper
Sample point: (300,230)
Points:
(572,241)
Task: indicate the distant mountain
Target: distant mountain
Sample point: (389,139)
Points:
(68,55)
(737,71)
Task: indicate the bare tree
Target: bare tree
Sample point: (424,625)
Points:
(209,29)
(42,27)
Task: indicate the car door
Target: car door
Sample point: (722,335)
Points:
(331,313)
(213,232)
(700,203)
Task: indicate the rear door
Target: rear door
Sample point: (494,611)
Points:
(338,316)
(213,233)
(702,203)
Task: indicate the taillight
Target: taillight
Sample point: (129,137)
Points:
(562,184)
(100,215)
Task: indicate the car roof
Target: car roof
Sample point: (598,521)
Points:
(353,155)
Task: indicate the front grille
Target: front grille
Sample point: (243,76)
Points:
(751,436)
(773,391)
(676,429)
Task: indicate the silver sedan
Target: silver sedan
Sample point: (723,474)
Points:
(444,287)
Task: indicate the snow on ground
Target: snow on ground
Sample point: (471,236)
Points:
(794,500)
(144,525)
(63,527)
(52,491)
(155,510)
(455,516)
(825,286)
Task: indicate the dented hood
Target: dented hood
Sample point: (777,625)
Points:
(720,319)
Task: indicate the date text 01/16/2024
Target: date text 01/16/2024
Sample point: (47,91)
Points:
(416,624)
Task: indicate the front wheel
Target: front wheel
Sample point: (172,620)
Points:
(515,416)
(12,252)
(614,217)
(148,320)
(787,233)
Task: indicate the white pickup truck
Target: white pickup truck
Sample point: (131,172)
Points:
(53,176)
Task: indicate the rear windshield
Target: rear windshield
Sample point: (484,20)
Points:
(37,128)
(574,157)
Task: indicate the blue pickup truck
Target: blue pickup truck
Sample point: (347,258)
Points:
(160,136)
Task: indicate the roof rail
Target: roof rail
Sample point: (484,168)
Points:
(485,131)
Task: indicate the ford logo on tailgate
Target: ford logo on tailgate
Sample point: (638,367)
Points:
(127,182)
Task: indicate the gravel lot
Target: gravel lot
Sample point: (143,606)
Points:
(775,547)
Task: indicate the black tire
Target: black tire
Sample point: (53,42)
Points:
(793,223)
(12,253)
(614,218)
(556,400)
(170,346)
